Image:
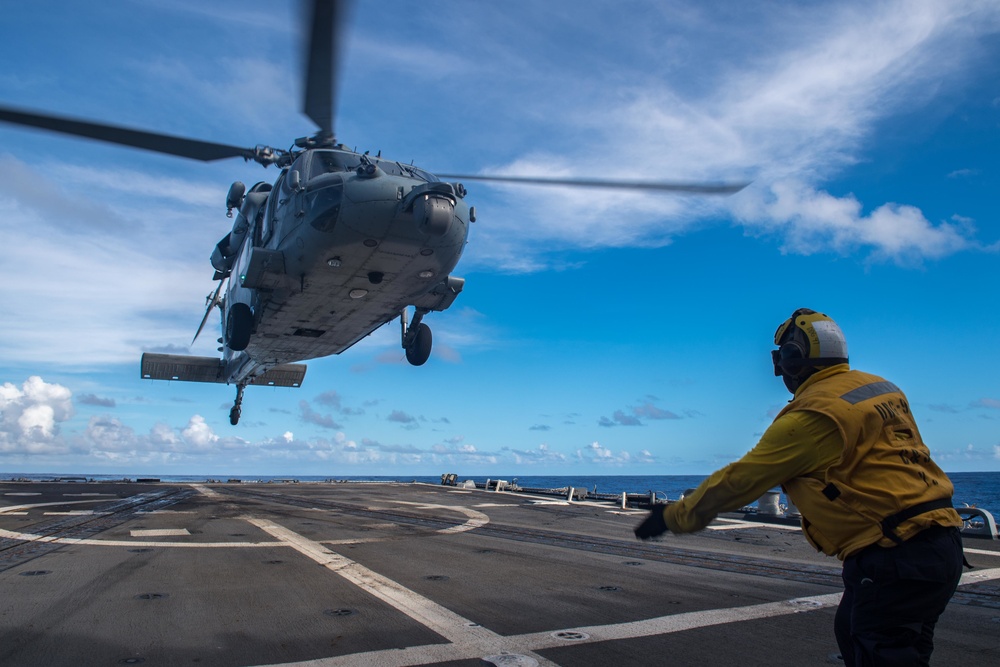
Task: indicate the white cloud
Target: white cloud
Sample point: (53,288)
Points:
(812,221)
(31,417)
(162,435)
(199,433)
(796,105)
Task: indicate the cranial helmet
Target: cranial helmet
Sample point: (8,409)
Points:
(807,341)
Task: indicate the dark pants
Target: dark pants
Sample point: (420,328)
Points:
(893,598)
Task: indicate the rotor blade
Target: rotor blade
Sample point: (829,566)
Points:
(688,188)
(324,22)
(211,304)
(150,141)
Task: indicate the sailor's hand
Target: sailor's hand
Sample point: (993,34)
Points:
(653,526)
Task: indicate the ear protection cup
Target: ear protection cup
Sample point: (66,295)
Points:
(791,358)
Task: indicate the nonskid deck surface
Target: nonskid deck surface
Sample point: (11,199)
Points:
(411,574)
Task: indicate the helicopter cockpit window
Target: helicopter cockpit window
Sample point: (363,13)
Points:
(325,162)
(406,170)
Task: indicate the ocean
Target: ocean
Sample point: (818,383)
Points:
(979,489)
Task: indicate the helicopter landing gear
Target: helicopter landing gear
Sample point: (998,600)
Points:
(417,338)
(234,413)
(418,351)
(239,325)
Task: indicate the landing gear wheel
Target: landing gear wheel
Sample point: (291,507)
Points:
(419,350)
(239,323)
(234,416)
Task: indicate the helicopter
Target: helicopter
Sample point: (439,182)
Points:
(340,244)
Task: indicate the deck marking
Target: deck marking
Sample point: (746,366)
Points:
(732,524)
(75,513)
(10,509)
(32,537)
(680,622)
(979,576)
(476,519)
(537,641)
(467,638)
(205,491)
(981,552)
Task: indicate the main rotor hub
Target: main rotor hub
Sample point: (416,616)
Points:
(318,140)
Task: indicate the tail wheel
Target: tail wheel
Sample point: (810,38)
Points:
(419,350)
(239,323)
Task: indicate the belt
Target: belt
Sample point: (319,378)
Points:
(891,523)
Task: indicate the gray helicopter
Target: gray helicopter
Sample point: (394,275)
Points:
(339,245)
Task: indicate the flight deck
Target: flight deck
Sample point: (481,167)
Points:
(327,574)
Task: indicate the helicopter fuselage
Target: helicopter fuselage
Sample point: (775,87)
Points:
(339,245)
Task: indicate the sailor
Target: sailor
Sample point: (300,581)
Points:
(847,452)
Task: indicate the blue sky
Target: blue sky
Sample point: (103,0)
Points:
(599,332)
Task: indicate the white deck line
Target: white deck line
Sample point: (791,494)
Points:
(980,552)
(205,491)
(526,644)
(468,639)
(732,524)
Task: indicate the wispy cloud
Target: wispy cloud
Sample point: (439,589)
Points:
(310,416)
(790,112)
(93,399)
(633,416)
